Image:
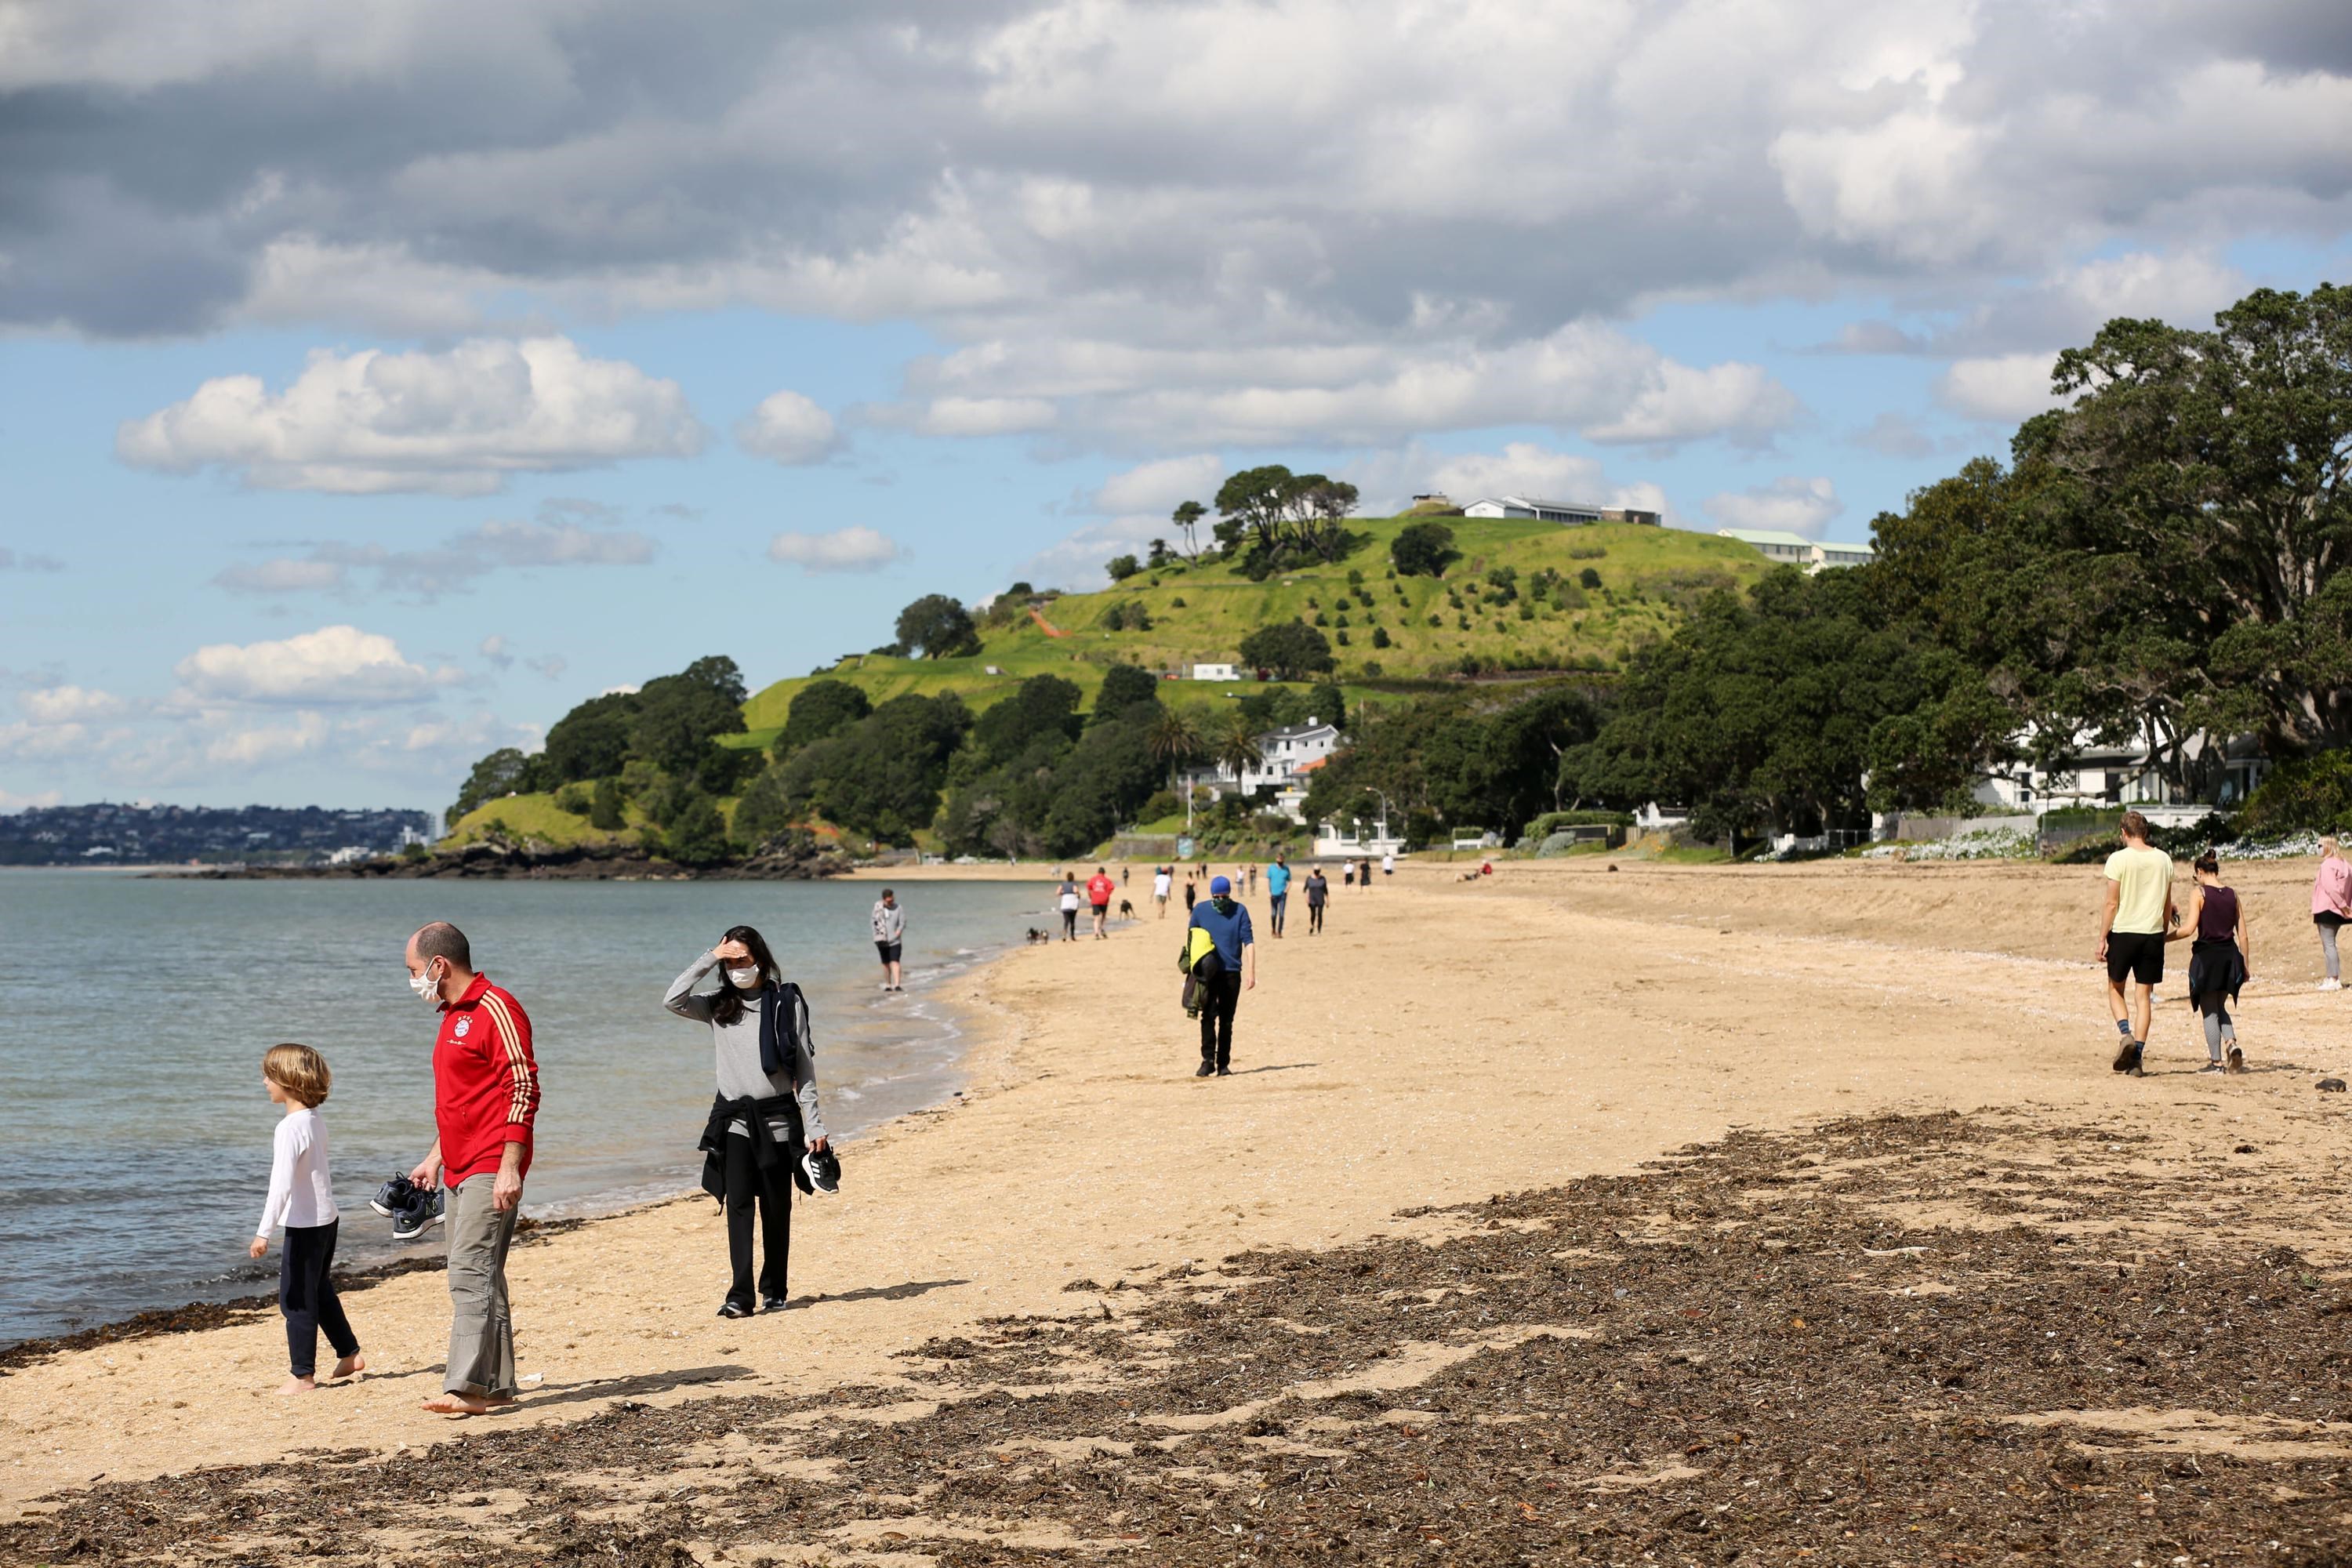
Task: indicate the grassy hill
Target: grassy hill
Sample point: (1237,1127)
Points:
(1199,615)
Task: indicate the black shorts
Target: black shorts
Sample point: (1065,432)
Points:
(2329,919)
(888,950)
(2136,955)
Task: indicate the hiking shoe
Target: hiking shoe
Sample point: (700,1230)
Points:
(395,1197)
(2236,1058)
(772,1304)
(422,1214)
(823,1169)
(2209,1066)
(1206,1070)
(733,1308)
(2128,1056)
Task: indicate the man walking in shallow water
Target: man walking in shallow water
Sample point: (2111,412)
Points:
(485,1099)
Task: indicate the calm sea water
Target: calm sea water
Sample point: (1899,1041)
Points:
(135,1134)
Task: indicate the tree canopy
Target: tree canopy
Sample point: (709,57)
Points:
(936,627)
(1290,650)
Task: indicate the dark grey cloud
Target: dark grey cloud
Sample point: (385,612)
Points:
(1307,178)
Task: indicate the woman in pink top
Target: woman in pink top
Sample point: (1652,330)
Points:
(2331,906)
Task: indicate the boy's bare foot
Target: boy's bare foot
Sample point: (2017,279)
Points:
(297,1385)
(351,1365)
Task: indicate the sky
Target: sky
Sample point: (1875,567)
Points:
(378,380)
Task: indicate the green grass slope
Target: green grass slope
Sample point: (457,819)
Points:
(1199,615)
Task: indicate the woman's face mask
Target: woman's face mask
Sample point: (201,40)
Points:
(744,979)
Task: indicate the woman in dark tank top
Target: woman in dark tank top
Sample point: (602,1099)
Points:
(2217,962)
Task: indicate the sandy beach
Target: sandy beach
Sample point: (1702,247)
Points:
(1441,1043)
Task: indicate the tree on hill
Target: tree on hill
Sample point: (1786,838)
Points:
(493,778)
(938,625)
(604,809)
(696,833)
(1259,500)
(679,716)
(1122,567)
(1124,687)
(591,740)
(1422,550)
(1187,518)
(1043,705)
(1291,650)
(819,709)
(882,776)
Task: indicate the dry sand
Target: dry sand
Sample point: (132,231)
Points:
(1440,1042)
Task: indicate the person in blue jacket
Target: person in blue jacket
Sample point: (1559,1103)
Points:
(1224,973)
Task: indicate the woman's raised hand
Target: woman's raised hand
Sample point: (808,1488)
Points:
(732,949)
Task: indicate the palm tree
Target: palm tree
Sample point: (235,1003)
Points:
(1237,747)
(1175,740)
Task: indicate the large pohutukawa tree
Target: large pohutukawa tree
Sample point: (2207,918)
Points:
(2203,476)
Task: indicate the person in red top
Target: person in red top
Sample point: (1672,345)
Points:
(1099,887)
(485,1098)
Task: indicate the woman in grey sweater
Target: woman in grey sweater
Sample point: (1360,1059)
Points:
(767,1101)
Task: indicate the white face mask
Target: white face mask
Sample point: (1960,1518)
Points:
(744,978)
(427,988)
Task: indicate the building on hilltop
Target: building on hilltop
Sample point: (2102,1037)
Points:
(1573,513)
(1796,550)
(1215,672)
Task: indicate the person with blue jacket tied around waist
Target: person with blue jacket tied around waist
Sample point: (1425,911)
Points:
(1228,969)
(766,1109)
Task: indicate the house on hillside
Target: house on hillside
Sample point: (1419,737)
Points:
(1287,760)
(1796,550)
(1215,672)
(1573,513)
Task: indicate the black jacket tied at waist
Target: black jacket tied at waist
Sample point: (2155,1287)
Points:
(755,1115)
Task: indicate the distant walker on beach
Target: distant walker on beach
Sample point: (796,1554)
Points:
(889,939)
(485,1099)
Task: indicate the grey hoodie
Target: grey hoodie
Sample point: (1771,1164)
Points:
(739,1073)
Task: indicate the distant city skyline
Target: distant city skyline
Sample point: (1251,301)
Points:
(378,382)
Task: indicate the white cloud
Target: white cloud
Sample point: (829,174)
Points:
(551,665)
(854,549)
(788,428)
(496,650)
(1158,488)
(985,416)
(1792,503)
(459,421)
(453,564)
(2002,388)
(11,802)
(336,663)
(69,704)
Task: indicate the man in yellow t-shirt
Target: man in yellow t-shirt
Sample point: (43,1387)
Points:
(2132,930)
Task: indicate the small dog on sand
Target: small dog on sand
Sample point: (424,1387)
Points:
(1036,936)
(1126,909)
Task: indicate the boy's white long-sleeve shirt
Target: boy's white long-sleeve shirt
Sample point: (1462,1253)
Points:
(301,1190)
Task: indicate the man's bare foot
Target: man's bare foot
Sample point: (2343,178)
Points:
(469,1404)
(297,1385)
(351,1365)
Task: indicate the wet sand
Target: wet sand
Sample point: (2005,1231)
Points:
(1440,1043)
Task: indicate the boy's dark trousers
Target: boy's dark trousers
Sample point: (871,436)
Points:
(1220,994)
(306,1296)
(772,1190)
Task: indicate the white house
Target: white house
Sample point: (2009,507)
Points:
(1575,514)
(1286,759)
(1215,672)
(1796,550)
(2111,775)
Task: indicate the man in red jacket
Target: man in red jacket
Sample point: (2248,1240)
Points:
(485,1098)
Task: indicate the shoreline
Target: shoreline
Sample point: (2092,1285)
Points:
(1384,1067)
(232,1299)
